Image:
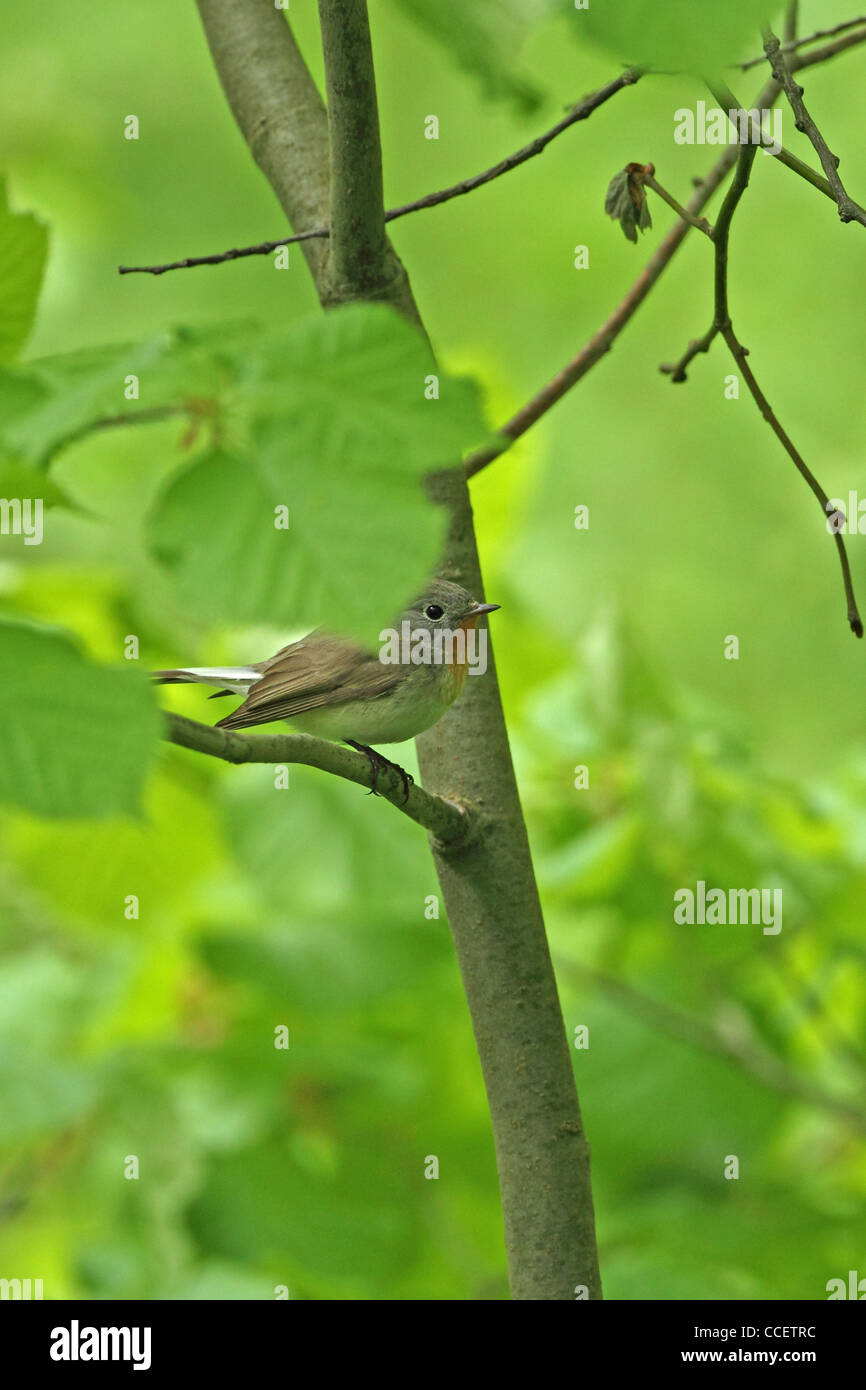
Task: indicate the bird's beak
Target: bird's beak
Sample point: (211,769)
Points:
(480,608)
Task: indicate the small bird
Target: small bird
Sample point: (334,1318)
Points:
(330,687)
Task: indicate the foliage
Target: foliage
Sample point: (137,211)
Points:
(261,907)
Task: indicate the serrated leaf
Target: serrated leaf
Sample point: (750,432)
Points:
(213,527)
(341,433)
(50,402)
(23,251)
(75,739)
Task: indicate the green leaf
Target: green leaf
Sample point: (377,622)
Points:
(340,432)
(484,37)
(213,527)
(75,739)
(23,250)
(18,480)
(52,401)
(674,33)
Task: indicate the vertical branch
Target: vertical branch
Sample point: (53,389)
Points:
(739,184)
(358,252)
(277,107)
(490,892)
(791,19)
(282,117)
(361,264)
(491,897)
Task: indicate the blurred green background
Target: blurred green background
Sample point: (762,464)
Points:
(154,1037)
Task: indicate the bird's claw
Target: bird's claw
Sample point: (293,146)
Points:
(378,764)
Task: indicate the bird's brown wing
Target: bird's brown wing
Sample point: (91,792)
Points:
(319,670)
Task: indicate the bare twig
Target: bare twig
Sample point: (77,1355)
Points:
(729,103)
(191,411)
(829,50)
(792,44)
(604,337)
(677,370)
(722,325)
(739,354)
(699,223)
(792,16)
(580,112)
(448,820)
(849,211)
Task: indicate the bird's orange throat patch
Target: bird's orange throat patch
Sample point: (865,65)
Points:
(459,668)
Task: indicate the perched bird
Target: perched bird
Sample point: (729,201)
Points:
(330,687)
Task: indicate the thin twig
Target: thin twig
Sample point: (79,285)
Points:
(700,223)
(603,339)
(677,370)
(792,16)
(791,45)
(849,211)
(191,410)
(448,820)
(729,103)
(722,325)
(830,50)
(580,112)
(739,354)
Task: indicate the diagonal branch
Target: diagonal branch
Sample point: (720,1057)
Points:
(699,223)
(792,44)
(849,211)
(580,112)
(449,821)
(726,99)
(604,337)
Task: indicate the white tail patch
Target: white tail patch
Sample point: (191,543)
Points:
(238,679)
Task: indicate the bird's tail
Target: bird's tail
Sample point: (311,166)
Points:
(232,680)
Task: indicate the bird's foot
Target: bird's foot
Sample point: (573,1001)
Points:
(378,765)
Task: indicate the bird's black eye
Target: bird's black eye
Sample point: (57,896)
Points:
(434,611)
